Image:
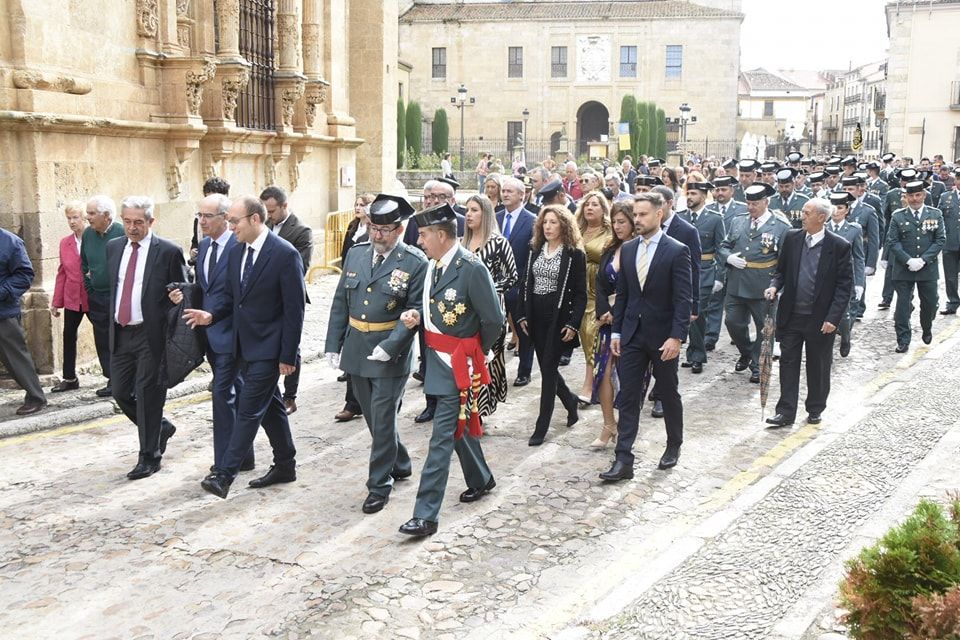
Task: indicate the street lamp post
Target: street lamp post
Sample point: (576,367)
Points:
(684,118)
(461,101)
(526,115)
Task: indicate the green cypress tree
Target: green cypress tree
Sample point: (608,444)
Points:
(401,133)
(628,114)
(414,133)
(643,130)
(661,134)
(652,127)
(441,132)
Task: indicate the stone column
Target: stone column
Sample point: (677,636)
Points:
(290,81)
(233,72)
(316,86)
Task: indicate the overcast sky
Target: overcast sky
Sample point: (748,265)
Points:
(812,34)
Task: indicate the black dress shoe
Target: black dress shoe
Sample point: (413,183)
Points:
(374,503)
(884,304)
(619,471)
(844,347)
(425,416)
(657,411)
(417,376)
(143,469)
(276,475)
(342,377)
(166,432)
(521,381)
(778,421)
(564,360)
(105,392)
(709,346)
(573,416)
(218,484)
(814,418)
(949,311)
(902,347)
(755,376)
(65,385)
(669,458)
(418,527)
(400,475)
(30,407)
(536,439)
(248,465)
(742,364)
(696,367)
(472,495)
(686,365)
(927,337)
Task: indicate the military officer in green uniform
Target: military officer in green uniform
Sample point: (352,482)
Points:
(380,280)
(747,175)
(709,225)
(462,319)
(888,171)
(728,209)
(949,205)
(916,237)
(750,251)
(832,181)
(852,233)
(868,217)
(789,203)
(875,184)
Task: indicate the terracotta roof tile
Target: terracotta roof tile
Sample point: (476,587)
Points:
(762,80)
(540,10)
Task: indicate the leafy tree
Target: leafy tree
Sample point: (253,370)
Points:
(414,133)
(652,126)
(441,132)
(401,133)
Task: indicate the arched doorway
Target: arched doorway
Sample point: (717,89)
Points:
(555,143)
(592,122)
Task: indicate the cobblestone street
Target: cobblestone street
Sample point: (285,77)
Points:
(743,539)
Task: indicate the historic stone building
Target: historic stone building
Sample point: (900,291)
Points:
(562,68)
(155,96)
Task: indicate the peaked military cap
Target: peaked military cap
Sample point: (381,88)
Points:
(915,186)
(654,162)
(861,166)
(888,157)
(551,189)
(450,181)
(700,186)
(849,161)
(831,170)
(647,181)
(758,192)
(748,165)
(794,156)
(436,215)
(786,175)
(724,181)
(816,177)
(908,174)
(850,181)
(841,198)
(387,209)
(730,163)
(769,167)
(808,162)
(873,165)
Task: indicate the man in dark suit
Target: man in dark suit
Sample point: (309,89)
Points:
(651,317)
(286,225)
(265,297)
(814,277)
(139,268)
(516,225)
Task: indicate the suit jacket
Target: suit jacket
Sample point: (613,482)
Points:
(378,294)
(164,265)
(219,335)
(686,233)
(572,301)
(268,314)
(661,309)
(521,231)
(792,209)
(69,292)
(301,237)
(908,238)
(834,282)
(411,235)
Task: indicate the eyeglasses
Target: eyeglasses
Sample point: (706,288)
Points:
(381,230)
(234,222)
(207,216)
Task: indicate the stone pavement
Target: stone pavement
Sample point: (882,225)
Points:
(731,543)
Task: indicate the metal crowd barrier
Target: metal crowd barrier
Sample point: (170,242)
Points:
(334,231)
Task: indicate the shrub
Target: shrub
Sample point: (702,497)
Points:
(643,130)
(440,132)
(414,133)
(939,616)
(401,133)
(661,134)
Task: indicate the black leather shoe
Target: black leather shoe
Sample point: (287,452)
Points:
(143,469)
(902,347)
(709,346)
(564,360)
(418,527)
(400,475)
(425,416)
(374,503)
(755,376)
(342,377)
(166,432)
(417,376)
(669,458)
(949,311)
(573,416)
(884,304)
(844,347)
(657,411)
(814,418)
(927,337)
(218,484)
(521,381)
(619,471)
(472,495)
(31,407)
(742,364)
(248,465)
(105,392)
(696,367)
(276,475)
(65,385)
(536,439)
(686,365)
(778,421)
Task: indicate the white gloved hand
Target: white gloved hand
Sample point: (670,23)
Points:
(869,271)
(333,359)
(858,292)
(915,264)
(717,286)
(379,355)
(883,263)
(737,261)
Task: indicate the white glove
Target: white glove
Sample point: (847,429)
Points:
(379,355)
(883,263)
(717,286)
(858,292)
(915,264)
(333,359)
(869,271)
(737,261)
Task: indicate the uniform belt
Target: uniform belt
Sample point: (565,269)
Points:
(761,265)
(367,327)
(707,256)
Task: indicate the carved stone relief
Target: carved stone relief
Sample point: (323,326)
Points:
(148,18)
(593,58)
(195,82)
(289,98)
(231,88)
(24,79)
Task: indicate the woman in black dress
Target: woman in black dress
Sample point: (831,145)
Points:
(553,300)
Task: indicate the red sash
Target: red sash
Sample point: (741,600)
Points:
(459,350)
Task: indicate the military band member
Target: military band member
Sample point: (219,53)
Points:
(709,226)
(728,209)
(381,279)
(750,251)
(787,201)
(747,172)
(916,237)
(852,233)
(462,319)
(949,205)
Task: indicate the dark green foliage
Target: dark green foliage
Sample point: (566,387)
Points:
(643,130)
(628,113)
(661,134)
(414,133)
(401,133)
(441,132)
(652,126)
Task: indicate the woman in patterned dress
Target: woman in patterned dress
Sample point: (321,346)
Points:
(482,237)
(593,220)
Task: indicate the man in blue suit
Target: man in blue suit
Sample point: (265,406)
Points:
(516,225)
(265,297)
(651,317)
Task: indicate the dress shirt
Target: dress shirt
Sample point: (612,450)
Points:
(256,245)
(651,249)
(666,223)
(385,254)
(221,243)
(512,217)
(817,237)
(762,220)
(444,261)
(276,227)
(136,311)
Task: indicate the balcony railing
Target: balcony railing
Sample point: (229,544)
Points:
(849,122)
(880,103)
(955,95)
(558,70)
(853,98)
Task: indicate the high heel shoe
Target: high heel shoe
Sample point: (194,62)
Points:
(609,432)
(583,402)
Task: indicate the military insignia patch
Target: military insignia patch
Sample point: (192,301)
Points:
(450,295)
(392,304)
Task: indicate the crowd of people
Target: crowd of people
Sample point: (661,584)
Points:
(638,267)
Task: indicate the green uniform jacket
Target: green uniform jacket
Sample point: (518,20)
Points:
(712,232)
(734,209)
(878,187)
(950,207)
(791,209)
(852,233)
(470,305)
(376,295)
(756,247)
(911,239)
(868,218)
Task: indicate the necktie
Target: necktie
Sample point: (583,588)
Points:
(126,296)
(437,272)
(693,218)
(723,210)
(916,214)
(809,240)
(378,261)
(508,225)
(754,224)
(836,227)
(213,260)
(642,262)
(247,270)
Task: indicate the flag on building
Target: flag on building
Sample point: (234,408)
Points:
(623,135)
(857,145)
